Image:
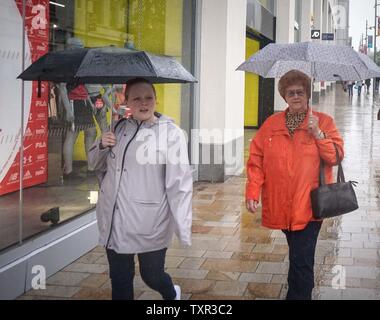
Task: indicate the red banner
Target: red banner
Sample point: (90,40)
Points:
(35,158)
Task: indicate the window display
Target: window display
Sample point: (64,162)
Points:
(36,113)
(61,124)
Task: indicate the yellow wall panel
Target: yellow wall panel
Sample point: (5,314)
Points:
(98,23)
(251,107)
(153,25)
(157,26)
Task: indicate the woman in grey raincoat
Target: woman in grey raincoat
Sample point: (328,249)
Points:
(145,193)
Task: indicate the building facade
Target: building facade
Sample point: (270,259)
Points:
(325,16)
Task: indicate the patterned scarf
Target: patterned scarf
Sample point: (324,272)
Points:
(294,120)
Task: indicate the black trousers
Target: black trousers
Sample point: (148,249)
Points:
(350,90)
(152,264)
(302,245)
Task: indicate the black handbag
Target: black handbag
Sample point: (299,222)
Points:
(331,200)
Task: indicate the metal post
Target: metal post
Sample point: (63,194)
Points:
(374,45)
(366,35)
(362,44)
(21,206)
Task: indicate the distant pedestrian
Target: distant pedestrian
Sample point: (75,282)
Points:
(377,81)
(368,84)
(359,85)
(350,88)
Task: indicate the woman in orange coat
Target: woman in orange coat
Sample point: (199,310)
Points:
(283,167)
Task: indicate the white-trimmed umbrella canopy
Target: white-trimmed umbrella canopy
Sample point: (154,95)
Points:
(321,62)
(373,68)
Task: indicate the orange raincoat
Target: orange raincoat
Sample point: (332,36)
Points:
(285,169)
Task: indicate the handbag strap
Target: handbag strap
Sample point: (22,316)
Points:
(340,177)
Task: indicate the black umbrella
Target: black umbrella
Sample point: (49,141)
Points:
(106,65)
(60,66)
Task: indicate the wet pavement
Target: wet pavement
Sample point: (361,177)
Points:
(233,257)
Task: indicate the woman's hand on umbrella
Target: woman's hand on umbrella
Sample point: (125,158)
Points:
(313,126)
(252,205)
(108,139)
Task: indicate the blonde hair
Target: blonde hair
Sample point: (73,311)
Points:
(135,81)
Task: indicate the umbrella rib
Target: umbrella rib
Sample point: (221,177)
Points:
(357,72)
(150,63)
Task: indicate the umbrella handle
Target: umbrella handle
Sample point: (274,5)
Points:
(311,97)
(312,86)
(112,108)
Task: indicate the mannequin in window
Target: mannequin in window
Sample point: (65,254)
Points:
(100,102)
(79,117)
(120,110)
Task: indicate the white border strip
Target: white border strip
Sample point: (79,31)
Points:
(45,247)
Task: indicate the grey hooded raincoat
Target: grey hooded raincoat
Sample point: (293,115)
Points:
(146,187)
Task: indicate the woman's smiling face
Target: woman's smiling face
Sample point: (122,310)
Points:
(296,98)
(142,101)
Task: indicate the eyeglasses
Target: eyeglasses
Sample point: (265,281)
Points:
(292,93)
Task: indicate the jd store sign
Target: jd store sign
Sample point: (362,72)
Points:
(316,34)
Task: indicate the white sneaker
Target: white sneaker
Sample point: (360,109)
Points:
(178,292)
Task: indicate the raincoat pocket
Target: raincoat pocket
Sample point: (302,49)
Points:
(274,153)
(309,147)
(274,145)
(145,216)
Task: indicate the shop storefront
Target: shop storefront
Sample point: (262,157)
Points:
(58,188)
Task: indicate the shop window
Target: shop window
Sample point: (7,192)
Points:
(59,126)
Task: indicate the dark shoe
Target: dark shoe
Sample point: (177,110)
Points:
(52,215)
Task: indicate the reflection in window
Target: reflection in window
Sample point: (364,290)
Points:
(268,4)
